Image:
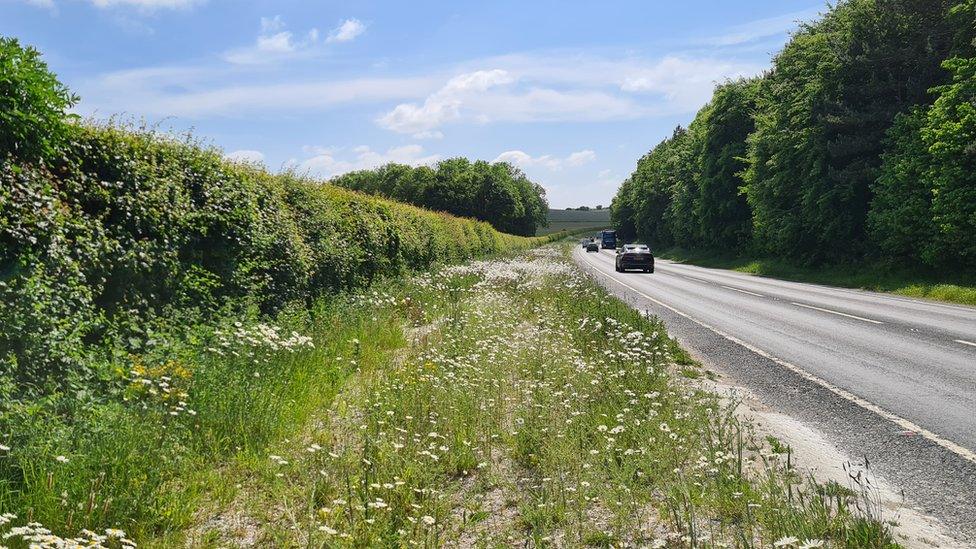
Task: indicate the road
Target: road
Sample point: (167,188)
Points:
(884,376)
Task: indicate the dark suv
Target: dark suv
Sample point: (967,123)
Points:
(635,256)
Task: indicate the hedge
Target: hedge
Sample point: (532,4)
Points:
(132,228)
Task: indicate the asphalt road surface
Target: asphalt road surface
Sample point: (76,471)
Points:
(886,377)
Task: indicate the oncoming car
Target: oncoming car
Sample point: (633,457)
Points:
(634,256)
(593,246)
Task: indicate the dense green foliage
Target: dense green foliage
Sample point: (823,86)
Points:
(498,193)
(856,144)
(143,227)
(724,216)
(32,103)
(106,233)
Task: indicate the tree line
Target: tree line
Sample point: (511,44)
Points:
(498,193)
(858,144)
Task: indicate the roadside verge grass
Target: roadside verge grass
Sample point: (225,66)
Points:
(950,287)
(529,408)
(498,403)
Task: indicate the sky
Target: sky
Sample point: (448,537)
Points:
(572,92)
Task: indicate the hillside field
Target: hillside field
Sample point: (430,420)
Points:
(574,220)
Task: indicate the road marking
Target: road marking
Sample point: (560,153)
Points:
(838,313)
(905,424)
(964,342)
(743,291)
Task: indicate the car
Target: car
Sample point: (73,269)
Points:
(592,246)
(634,256)
(585,241)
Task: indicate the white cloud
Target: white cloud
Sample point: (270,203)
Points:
(273,43)
(525,88)
(276,43)
(200,91)
(580,157)
(444,105)
(525,160)
(272,24)
(245,155)
(762,28)
(564,87)
(685,82)
(348,30)
(326,161)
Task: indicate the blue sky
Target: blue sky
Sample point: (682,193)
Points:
(573,92)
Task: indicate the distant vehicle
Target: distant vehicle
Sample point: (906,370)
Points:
(592,246)
(585,241)
(635,256)
(608,239)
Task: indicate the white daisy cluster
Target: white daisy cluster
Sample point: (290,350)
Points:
(36,536)
(259,341)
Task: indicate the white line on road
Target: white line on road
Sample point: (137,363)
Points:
(838,313)
(743,291)
(964,342)
(960,451)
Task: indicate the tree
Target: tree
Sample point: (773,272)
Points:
(900,219)
(950,134)
(681,174)
(723,212)
(498,193)
(833,155)
(823,114)
(32,105)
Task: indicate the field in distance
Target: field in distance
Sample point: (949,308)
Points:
(572,220)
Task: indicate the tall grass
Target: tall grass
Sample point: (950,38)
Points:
(147,462)
(529,408)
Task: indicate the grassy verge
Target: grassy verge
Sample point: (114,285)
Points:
(497,403)
(950,287)
(512,403)
(188,409)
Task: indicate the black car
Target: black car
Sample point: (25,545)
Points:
(635,256)
(593,246)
